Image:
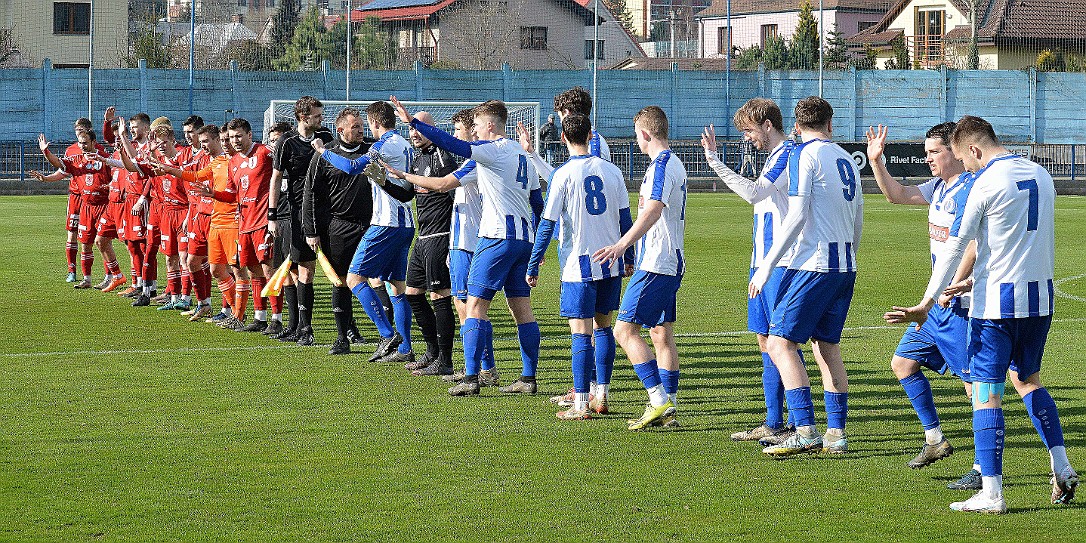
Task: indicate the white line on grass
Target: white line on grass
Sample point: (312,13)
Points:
(1056,288)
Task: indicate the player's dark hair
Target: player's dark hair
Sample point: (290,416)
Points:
(208,129)
(83,123)
(757,111)
(813,113)
(972,129)
(239,124)
(575,100)
(280,127)
(142,118)
(941,132)
(381,113)
(577,128)
(654,120)
(347,112)
(90,134)
(304,106)
(465,117)
(493,108)
(195,121)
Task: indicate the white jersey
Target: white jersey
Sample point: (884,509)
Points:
(586,194)
(1009,208)
(597,146)
(388,211)
(506,179)
(467,209)
(826,179)
(769,212)
(942,210)
(661,249)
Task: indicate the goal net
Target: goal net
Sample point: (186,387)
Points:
(522,112)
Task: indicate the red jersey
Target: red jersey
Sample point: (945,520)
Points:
(251,174)
(117,181)
(136,181)
(73,150)
(94,174)
(167,189)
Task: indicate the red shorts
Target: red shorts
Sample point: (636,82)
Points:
(109,224)
(199,224)
(71,219)
(171,231)
(254,247)
(132,227)
(88,220)
(222,245)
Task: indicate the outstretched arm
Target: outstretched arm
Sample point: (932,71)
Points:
(648,217)
(895,192)
(43,144)
(543,235)
(751,191)
(439,184)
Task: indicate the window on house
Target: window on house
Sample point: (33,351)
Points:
(768,32)
(533,37)
(864,25)
(71,17)
(588,50)
(723,40)
(930,27)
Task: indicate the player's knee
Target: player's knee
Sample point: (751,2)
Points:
(903,367)
(988,393)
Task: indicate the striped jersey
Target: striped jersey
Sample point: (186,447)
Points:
(769,212)
(506,179)
(586,194)
(388,211)
(827,182)
(660,250)
(467,209)
(942,210)
(1009,208)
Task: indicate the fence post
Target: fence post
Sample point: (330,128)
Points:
(507,79)
(1074,161)
(235,94)
(420,92)
(325,68)
(22,166)
(1032,104)
(674,92)
(852,105)
(943,73)
(46,98)
(142,65)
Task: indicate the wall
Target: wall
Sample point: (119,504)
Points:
(1024,106)
(31,22)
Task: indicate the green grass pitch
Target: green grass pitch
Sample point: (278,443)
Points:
(126,424)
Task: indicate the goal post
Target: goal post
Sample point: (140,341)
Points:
(442,111)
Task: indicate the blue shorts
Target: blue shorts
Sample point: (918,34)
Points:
(459,264)
(649,299)
(812,305)
(998,345)
(499,264)
(582,300)
(382,253)
(941,344)
(760,307)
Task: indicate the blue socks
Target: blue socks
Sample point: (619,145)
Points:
(372,304)
(582,362)
(918,389)
(475,334)
(402,311)
(800,406)
(528,337)
(649,373)
(1042,411)
(836,409)
(988,429)
(774,393)
(670,380)
(604,355)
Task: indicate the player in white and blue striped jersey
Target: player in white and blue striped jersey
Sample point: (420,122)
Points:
(512,201)
(1008,206)
(762,124)
(939,345)
(821,231)
(588,195)
(650,296)
(382,254)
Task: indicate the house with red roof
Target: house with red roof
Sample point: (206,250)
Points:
(484,34)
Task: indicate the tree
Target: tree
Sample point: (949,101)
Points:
(307,47)
(251,56)
(900,60)
(748,58)
(494,36)
(374,49)
(836,56)
(869,61)
(148,45)
(776,55)
(621,12)
(805,41)
(283,22)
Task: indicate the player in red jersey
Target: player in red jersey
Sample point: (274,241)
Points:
(72,216)
(92,175)
(109,226)
(133,227)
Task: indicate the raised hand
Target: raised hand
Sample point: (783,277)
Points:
(111,112)
(524,137)
(708,139)
(876,142)
(401,111)
(43,144)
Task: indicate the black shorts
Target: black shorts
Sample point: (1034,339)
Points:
(428,267)
(292,232)
(339,240)
(281,244)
